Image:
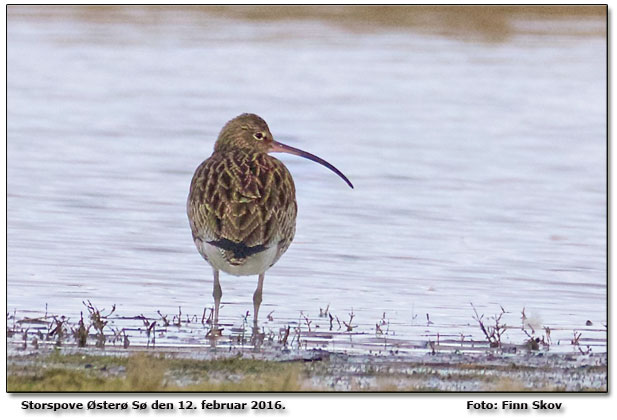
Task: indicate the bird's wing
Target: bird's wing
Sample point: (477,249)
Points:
(243,198)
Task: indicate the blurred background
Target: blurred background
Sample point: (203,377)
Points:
(475,138)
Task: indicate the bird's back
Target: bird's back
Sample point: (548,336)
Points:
(241,206)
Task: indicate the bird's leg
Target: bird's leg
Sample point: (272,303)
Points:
(257,297)
(217,292)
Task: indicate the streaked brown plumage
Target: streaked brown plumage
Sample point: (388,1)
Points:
(242,203)
(246,198)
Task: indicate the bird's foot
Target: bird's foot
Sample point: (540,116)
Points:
(257,337)
(215,331)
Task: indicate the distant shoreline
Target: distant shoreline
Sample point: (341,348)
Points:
(492,23)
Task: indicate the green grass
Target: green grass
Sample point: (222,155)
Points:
(141,372)
(164,372)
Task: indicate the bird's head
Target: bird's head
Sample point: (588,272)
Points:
(246,131)
(250,132)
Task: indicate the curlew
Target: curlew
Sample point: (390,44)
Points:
(242,204)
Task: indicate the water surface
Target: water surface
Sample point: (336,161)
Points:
(479,165)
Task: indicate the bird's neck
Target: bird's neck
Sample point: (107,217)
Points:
(232,146)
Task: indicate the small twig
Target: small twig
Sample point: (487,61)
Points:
(307,321)
(284,341)
(163,318)
(349,326)
(81,332)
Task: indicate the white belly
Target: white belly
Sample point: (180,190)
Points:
(254,264)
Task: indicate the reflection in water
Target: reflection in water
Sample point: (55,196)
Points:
(479,167)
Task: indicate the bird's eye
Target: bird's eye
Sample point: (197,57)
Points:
(258,136)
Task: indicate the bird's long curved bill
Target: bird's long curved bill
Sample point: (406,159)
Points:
(283,148)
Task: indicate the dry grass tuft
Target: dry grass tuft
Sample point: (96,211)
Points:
(142,372)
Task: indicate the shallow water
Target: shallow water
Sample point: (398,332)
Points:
(479,166)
